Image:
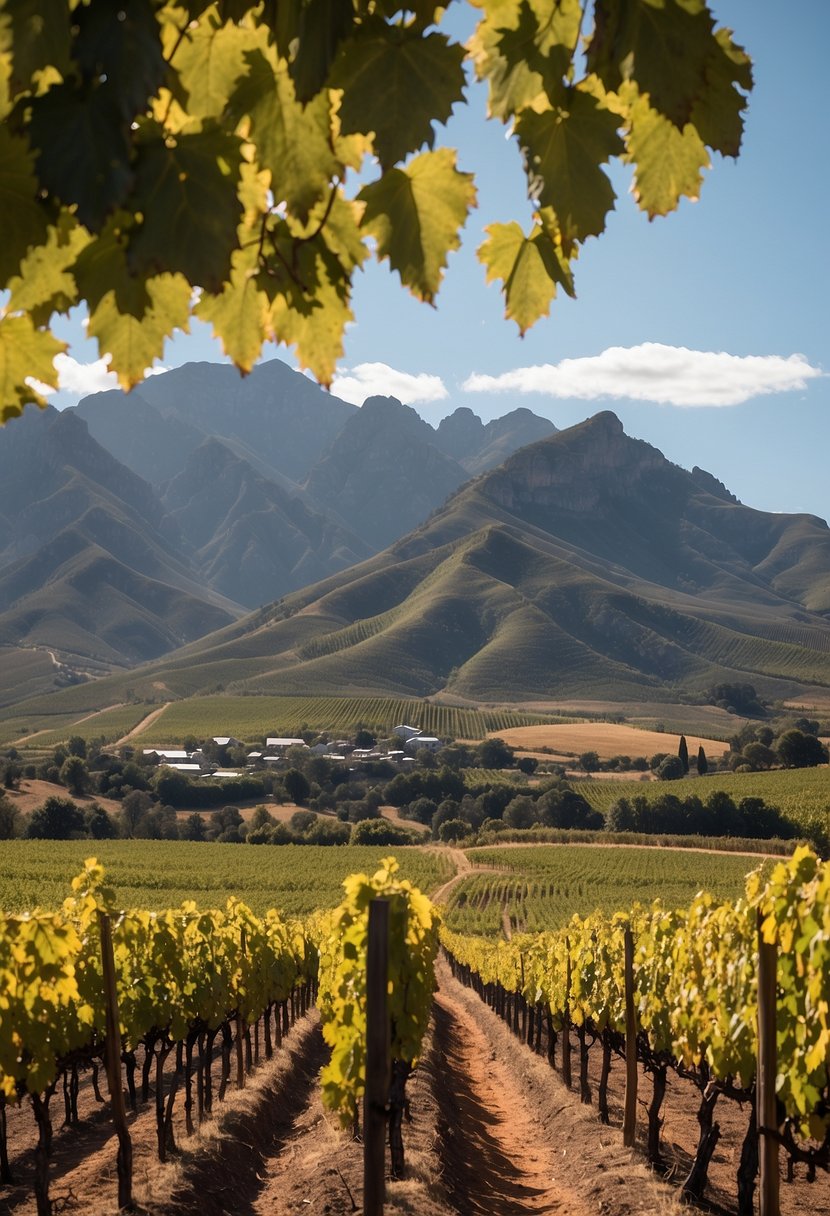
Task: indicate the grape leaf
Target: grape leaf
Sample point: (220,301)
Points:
(342,233)
(36,32)
(83,150)
(134,342)
(422,78)
(25,353)
(210,62)
(664,46)
(186,191)
(123,43)
(46,283)
(563,150)
(238,314)
(415,214)
(668,163)
(524,49)
(22,219)
(321,27)
(718,113)
(311,315)
(529,267)
(102,267)
(292,140)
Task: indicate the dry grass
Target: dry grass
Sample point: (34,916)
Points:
(607,739)
(33,793)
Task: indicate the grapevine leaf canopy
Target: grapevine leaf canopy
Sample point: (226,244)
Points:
(240,161)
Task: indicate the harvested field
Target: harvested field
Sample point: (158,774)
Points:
(607,739)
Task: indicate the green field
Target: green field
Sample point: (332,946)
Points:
(156,874)
(474,777)
(542,886)
(800,793)
(251,717)
(109,724)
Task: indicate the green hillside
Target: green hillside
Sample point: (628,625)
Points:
(586,566)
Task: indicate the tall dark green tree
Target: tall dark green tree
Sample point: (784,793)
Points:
(702,762)
(683,753)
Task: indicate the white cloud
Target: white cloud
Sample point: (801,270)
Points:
(379,379)
(667,375)
(82,379)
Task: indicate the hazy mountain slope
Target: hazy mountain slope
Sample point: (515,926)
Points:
(90,567)
(383,474)
(250,539)
(476,446)
(586,565)
(275,415)
(92,606)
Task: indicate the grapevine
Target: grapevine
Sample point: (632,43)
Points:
(695,974)
(413,945)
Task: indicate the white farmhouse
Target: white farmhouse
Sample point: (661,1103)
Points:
(406,732)
(416,742)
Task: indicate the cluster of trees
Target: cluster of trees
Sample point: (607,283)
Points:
(737,699)
(793,745)
(304,827)
(718,815)
(555,805)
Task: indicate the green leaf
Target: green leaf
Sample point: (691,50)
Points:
(210,62)
(102,267)
(122,42)
(422,77)
(563,150)
(529,267)
(186,191)
(293,141)
(663,46)
(22,219)
(668,163)
(321,28)
(415,214)
(46,283)
(25,352)
(83,150)
(37,33)
(312,312)
(134,342)
(342,232)
(524,50)
(239,316)
(718,113)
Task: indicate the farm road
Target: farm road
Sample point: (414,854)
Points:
(494,1159)
(143,724)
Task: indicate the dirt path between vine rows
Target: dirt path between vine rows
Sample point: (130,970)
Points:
(143,724)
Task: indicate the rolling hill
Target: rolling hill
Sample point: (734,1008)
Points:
(586,565)
(136,523)
(87,568)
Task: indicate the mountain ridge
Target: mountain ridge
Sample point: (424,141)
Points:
(586,565)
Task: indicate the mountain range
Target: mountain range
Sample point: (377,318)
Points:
(136,523)
(585,565)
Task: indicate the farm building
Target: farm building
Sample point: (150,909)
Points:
(416,742)
(406,732)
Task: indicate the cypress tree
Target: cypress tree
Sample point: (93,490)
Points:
(702,762)
(683,753)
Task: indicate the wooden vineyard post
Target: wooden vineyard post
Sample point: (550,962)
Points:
(377,1059)
(767,1069)
(113,1062)
(630,1108)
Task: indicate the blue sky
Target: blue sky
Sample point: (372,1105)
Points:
(741,273)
